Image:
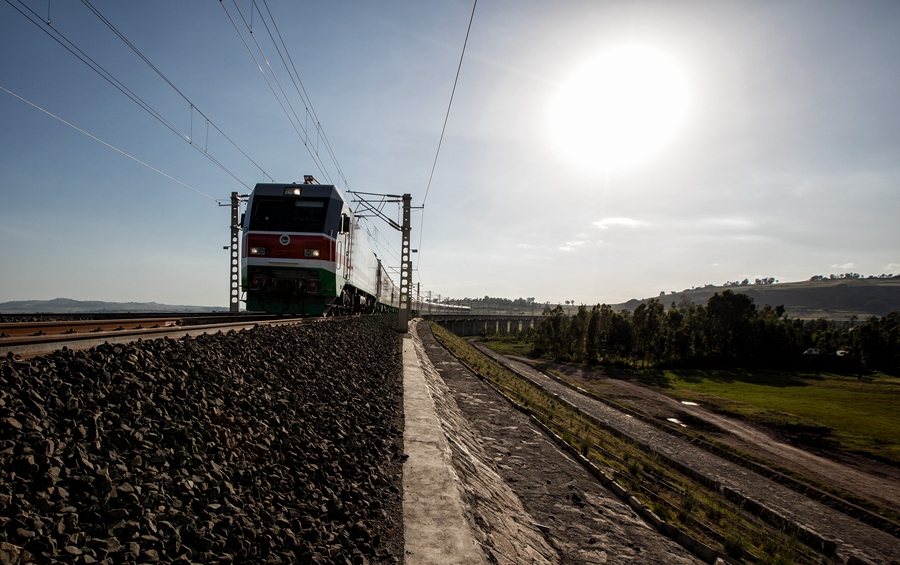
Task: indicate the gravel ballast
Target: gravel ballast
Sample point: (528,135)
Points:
(274,445)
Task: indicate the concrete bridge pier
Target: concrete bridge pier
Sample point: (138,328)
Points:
(473,324)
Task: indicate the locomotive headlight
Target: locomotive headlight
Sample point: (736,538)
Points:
(311,253)
(257,251)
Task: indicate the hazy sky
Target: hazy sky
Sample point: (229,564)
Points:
(783,160)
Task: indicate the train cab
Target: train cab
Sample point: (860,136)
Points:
(303,252)
(291,253)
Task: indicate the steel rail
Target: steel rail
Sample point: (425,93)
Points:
(36,329)
(35,345)
(56,327)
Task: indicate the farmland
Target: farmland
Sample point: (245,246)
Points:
(849,413)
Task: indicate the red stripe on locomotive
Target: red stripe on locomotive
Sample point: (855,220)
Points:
(295,249)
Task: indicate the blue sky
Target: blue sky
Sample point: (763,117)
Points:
(786,164)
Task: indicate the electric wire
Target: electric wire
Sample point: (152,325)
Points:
(304,96)
(366,210)
(386,254)
(305,140)
(265,58)
(443,129)
(320,132)
(390,250)
(294,76)
(450,104)
(421,229)
(269,65)
(97,68)
(76,128)
(378,210)
(113,28)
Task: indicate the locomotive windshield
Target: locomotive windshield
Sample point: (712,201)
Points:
(288,214)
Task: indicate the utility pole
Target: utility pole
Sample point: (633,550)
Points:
(234,269)
(235,294)
(405,269)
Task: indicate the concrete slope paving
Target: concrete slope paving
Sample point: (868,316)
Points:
(457,510)
(853,538)
(518,484)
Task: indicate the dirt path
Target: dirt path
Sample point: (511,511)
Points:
(867,479)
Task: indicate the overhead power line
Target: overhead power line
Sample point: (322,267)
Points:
(76,128)
(97,68)
(450,104)
(368,210)
(295,121)
(384,246)
(109,24)
(443,129)
(303,96)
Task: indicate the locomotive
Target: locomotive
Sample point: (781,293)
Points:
(303,252)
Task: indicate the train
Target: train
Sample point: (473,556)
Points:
(303,252)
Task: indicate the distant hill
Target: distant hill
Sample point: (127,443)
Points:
(69,306)
(833,299)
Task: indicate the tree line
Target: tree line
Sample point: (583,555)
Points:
(855,276)
(729,330)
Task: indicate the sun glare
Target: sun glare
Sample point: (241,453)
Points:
(619,109)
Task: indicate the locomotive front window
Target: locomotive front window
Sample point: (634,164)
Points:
(309,211)
(288,214)
(266,212)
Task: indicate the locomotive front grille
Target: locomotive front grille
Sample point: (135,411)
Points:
(283,282)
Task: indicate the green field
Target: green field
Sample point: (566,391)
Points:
(848,413)
(857,415)
(504,347)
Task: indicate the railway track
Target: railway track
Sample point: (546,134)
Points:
(30,339)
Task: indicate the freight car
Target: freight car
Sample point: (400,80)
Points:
(303,252)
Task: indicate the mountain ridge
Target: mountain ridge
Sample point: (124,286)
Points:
(71,306)
(835,299)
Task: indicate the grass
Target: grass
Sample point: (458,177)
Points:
(519,348)
(857,416)
(845,412)
(703,513)
(851,414)
(600,390)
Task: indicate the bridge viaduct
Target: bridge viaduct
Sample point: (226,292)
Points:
(475,324)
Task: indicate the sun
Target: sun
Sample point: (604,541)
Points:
(619,109)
